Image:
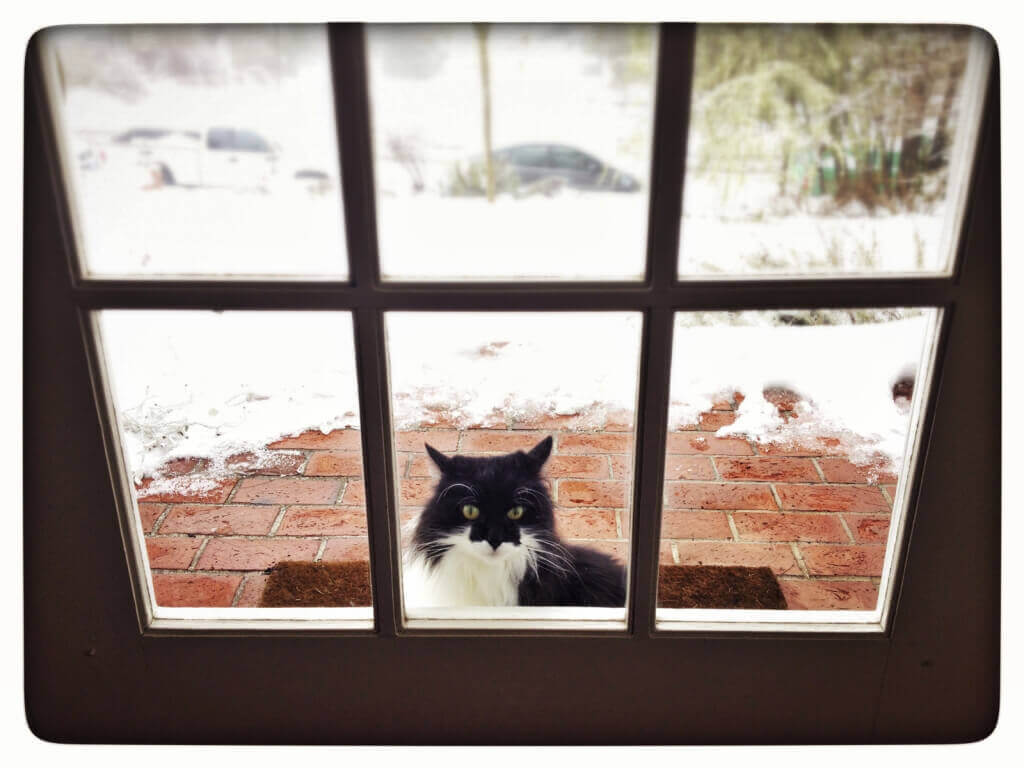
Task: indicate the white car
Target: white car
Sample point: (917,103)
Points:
(219,156)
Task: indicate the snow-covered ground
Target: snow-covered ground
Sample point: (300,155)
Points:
(216,384)
(753,232)
(176,230)
(843,375)
(574,235)
(427,116)
(548,86)
(213,384)
(465,366)
(129,227)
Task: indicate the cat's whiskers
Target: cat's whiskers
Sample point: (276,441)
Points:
(471,489)
(542,550)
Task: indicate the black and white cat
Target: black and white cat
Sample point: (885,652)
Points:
(487,537)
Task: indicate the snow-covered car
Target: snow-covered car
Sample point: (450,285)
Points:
(545,168)
(218,156)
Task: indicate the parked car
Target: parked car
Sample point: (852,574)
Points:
(218,156)
(523,168)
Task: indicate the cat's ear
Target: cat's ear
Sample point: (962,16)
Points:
(443,462)
(539,454)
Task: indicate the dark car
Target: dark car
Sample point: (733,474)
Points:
(524,168)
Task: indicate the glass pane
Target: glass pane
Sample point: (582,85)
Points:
(829,148)
(506,151)
(241,458)
(789,445)
(526,500)
(199,150)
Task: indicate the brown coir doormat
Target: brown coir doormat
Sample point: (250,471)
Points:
(318,585)
(718,586)
(325,585)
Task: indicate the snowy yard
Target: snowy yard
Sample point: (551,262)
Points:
(217,384)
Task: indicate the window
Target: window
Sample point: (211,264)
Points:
(374,280)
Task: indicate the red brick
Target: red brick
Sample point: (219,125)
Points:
(825,560)
(678,467)
(194,590)
(620,420)
(222,520)
(591,493)
(340,439)
(867,529)
(586,523)
(707,443)
(408,514)
(819,446)
(767,469)
(149,514)
(414,490)
(713,420)
(812,595)
(789,526)
(891,490)
(179,492)
(615,548)
(622,467)
(252,590)
(549,422)
(172,553)
(442,439)
(721,404)
(694,524)
(505,441)
(421,466)
(831,498)
(782,399)
(323,521)
(437,418)
(845,471)
(266,463)
(288,490)
(355,493)
(595,443)
(350,548)
(254,554)
(583,467)
(335,464)
(665,556)
(778,557)
(718,496)
(181,466)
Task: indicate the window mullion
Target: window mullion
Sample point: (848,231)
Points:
(671,122)
(348,71)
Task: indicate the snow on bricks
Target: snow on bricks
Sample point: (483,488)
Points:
(818,519)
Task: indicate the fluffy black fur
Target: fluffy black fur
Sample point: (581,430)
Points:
(561,573)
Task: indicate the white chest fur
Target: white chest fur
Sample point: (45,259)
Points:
(470,573)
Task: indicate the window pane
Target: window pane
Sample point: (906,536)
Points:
(789,446)
(499,529)
(829,148)
(241,459)
(199,150)
(565,115)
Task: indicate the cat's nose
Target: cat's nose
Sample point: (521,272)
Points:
(494,540)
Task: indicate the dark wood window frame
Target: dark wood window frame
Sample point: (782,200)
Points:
(932,675)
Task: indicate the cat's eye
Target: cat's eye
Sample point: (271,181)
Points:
(515,513)
(470,512)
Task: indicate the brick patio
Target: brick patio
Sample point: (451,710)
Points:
(819,521)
